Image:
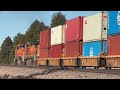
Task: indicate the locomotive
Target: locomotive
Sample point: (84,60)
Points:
(26,53)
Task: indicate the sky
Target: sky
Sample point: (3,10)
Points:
(13,22)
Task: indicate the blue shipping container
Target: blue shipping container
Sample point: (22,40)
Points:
(94,48)
(113,22)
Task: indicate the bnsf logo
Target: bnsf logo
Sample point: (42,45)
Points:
(91,51)
(118,18)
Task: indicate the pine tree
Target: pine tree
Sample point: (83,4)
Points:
(19,39)
(6,51)
(58,19)
(33,33)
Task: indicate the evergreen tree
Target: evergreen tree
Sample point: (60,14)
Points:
(58,19)
(19,39)
(7,51)
(33,33)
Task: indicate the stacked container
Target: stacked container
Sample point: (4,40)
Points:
(57,41)
(44,44)
(74,37)
(95,34)
(114,32)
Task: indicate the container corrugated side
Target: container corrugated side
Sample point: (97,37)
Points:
(44,53)
(73,49)
(114,45)
(57,35)
(45,39)
(74,29)
(94,48)
(113,22)
(56,51)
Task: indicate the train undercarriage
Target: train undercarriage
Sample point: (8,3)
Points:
(107,62)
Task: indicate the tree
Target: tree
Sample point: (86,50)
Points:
(58,19)
(7,51)
(19,39)
(33,33)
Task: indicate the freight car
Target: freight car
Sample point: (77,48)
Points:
(107,62)
(87,43)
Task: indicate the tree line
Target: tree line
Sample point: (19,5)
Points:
(7,52)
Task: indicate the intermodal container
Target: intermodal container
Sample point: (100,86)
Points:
(74,29)
(114,45)
(113,22)
(94,48)
(56,51)
(58,35)
(44,53)
(44,38)
(73,49)
(95,27)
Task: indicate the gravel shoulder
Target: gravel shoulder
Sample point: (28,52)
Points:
(17,72)
(8,72)
(77,75)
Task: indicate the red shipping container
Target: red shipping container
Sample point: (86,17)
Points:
(114,45)
(44,53)
(45,39)
(56,51)
(74,29)
(73,49)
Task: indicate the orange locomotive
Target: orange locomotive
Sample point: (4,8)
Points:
(27,53)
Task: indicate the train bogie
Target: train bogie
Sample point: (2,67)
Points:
(54,62)
(29,62)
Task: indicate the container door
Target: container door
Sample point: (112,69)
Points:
(104,25)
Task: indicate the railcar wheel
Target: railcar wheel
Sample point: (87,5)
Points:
(84,67)
(109,67)
(76,66)
(106,67)
(97,67)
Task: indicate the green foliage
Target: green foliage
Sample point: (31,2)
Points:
(19,39)
(58,19)
(31,35)
(7,51)
(33,32)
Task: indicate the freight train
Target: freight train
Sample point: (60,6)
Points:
(84,41)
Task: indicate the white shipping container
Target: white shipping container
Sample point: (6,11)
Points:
(58,35)
(95,27)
